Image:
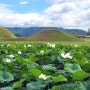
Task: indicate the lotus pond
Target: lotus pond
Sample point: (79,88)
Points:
(44,66)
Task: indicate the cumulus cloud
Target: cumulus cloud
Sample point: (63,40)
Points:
(70,13)
(24,20)
(62,14)
(61,8)
(10,18)
(25,2)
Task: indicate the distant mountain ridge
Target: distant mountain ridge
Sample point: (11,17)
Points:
(28,31)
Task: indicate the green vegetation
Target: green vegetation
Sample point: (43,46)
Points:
(52,35)
(54,60)
(44,66)
(6,34)
(82,42)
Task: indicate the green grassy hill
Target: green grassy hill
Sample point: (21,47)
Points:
(52,35)
(6,34)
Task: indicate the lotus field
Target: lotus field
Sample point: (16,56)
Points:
(44,66)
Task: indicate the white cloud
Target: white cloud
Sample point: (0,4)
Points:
(70,13)
(25,2)
(60,8)
(75,1)
(29,19)
(10,18)
(62,13)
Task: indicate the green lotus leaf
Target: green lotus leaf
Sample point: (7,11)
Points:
(35,86)
(6,76)
(79,75)
(19,59)
(81,61)
(35,72)
(33,58)
(32,65)
(80,86)
(86,67)
(7,88)
(72,68)
(1,66)
(17,84)
(59,78)
(49,67)
(87,84)
(56,87)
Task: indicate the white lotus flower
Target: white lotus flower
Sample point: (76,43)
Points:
(43,77)
(19,52)
(70,57)
(63,55)
(42,52)
(8,60)
(29,45)
(51,45)
(2,45)
(11,56)
(67,55)
(76,45)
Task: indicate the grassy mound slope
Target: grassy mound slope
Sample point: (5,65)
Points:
(6,34)
(52,35)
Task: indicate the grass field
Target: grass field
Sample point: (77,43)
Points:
(83,42)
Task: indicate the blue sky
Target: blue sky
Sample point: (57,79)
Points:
(56,13)
(25,6)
